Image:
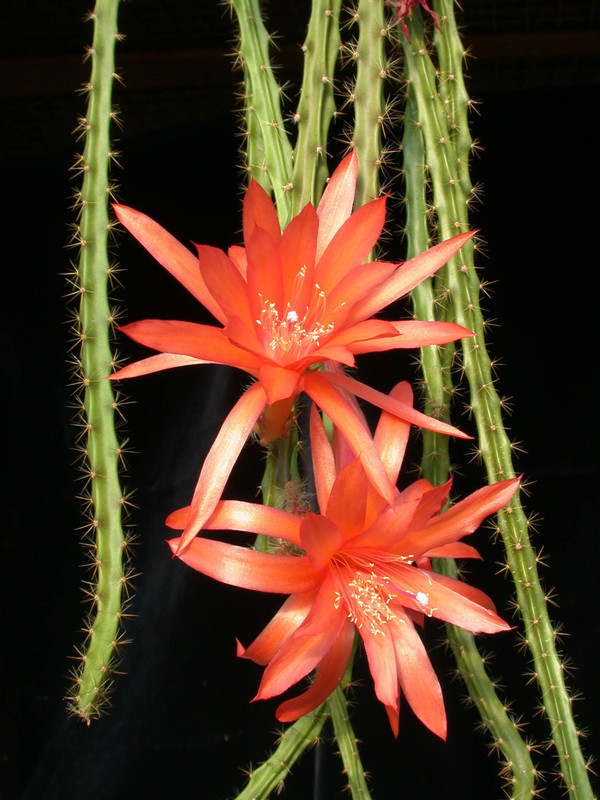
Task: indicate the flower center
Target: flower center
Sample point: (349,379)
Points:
(367,600)
(289,336)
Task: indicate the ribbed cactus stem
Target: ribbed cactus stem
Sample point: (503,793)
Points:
(368,98)
(462,289)
(96,362)
(519,772)
(316,107)
(272,773)
(348,746)
(263,100)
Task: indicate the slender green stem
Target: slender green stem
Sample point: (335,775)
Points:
(462,293)
(263,103)
(102,448)
(348,745)
(436,468)
(316,107)
(369,106)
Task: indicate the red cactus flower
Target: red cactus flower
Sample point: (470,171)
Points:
(287,302)
(404,8)
(365,568)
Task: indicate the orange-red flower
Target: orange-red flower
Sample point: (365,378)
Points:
(365,566)
(287,302)
(404,8)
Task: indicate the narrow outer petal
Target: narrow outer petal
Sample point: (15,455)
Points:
(322,458)
(413,333)
(391,434)
(329,674)
(236,515)
(337,201)
(285,622)
(409,275)
(220,460)
(147,366)
(171,254)
(246,568)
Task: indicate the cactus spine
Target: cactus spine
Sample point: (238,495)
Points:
(101,449)
(447,154)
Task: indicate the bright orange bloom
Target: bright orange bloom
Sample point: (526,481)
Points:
(287,302)
(365,567)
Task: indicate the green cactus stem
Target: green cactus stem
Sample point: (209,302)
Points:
(435,363)
(271,775)
(102,450)
(316,107)
(367,97)
(268,140)
(348,745)
(461,291)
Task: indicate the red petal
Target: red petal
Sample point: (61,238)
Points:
(289,617)
(171,254)
(414,333)
(236,515)
(453,550)
(337,201)
(391,434)
(279,383)
(355,286)
(155,364)
(320,539)
(220,460)
(296,658)
(247,568)
(203,342)
(259,210)
(328,676)
(392,405)
(264,272)
(418,680)
(298,246)
(225,283)
(322,459)
(351,244)
(409,275)
(382,665)
(462,518)
(347,504)
(237,255)
(317,385)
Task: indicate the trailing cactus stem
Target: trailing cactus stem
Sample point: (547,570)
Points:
(316,107)
(264,102)
(368,98)
(348,745)
(462,288)
(96,361)
(270,776)
(435,465)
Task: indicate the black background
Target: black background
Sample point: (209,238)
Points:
(181,724)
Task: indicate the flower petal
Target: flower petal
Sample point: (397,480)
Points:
(320,539)
(417,677)
(171,254)
(236,515)
(258,209)
(329,673)
(453,550)
(413,333)
(322,458)
(285,622)
(337,201)
(391,434)
(146,366)
(247,568)
(298,246)
(392,405)
(203,342)
(462,518)
(409,275)
(225,283)
(351,245)
(317,385)
(296,658)
(347,504)
(264,274)
(382,665)
(279,383)
(220,460)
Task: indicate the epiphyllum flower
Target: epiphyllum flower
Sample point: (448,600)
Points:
(405,8)
(288,301)
(365,567)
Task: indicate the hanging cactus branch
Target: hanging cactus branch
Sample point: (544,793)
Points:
(106,501)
